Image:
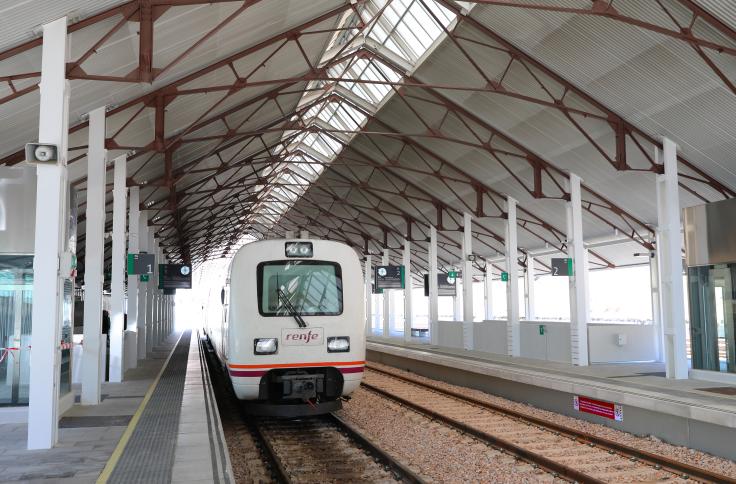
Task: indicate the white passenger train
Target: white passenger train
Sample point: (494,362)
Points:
(291,332)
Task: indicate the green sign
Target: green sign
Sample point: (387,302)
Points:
(451,277)
(145,277)
(541,329)
(505,276)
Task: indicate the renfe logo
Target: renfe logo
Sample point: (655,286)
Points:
(302,337)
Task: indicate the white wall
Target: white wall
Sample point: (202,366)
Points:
(490,336)
(554,344)
(640,342)
(450,334)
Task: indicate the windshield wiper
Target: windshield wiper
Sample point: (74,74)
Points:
(292,310)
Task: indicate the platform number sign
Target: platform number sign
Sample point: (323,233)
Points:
(561,266)
(505,277)
(142,263)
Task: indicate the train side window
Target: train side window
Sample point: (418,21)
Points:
(222,296)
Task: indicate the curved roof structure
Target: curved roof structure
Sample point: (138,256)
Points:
(366,121)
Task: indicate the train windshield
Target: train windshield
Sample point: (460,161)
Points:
(311,287)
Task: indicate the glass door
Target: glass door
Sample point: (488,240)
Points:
(16,305)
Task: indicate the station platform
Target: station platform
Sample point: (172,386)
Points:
(161,425)
(694,413)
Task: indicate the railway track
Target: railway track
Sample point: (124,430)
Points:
(327,449)
(323,449)
(562,451)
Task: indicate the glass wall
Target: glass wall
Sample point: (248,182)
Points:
(712,292)
(16,305)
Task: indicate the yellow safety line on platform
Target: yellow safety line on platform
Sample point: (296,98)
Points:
(123,442)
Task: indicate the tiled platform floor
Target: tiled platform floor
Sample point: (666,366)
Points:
(82,452)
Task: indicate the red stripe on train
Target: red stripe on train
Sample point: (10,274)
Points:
(253,374)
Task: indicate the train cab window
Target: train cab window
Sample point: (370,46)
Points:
(314,288)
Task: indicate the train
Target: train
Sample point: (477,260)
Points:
(288,327)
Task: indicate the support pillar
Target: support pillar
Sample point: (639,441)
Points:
(150,296)
(579,314)
(408,314)
(143,288)
(654,279)
(529,290)
(304,234)
(368,297)
(433,289)
(386,328)
(457,299)
(513,329)
(117,281)
(134,298)
(94,258)
(669,244)
(51,220)
(488,286)
(467,250)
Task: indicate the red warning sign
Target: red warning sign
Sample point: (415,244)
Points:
(608,410)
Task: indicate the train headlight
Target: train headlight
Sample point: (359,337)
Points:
(338,344)
(265,346)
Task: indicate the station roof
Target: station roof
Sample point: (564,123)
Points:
(368,120)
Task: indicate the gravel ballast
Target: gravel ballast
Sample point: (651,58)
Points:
(647,443)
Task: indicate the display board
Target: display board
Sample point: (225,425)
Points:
(445,284)
(561,266)
(141,263)
(389,277)
(174,276)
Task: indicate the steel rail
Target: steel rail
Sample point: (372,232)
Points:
(549,465)
(399,470)
(270,456)
(676,467)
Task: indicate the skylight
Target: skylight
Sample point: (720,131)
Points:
(406,28)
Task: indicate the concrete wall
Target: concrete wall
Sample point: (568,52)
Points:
(450,334)
(640,342)
(490,336)
(554,344)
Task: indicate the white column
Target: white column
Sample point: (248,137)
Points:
(670,269)
(457,299)
(368,297)
(408,314)
(386,330)
(143,288)
(488,286)
(94,257)
(150,296)
(304,234)
(289,234)
(51,221)
(117,281)
(654,280)
(513,330)
(529,289)
(467,250)
(579,314)
(433,290)
(131,352)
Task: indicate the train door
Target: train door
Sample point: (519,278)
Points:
(225,320)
